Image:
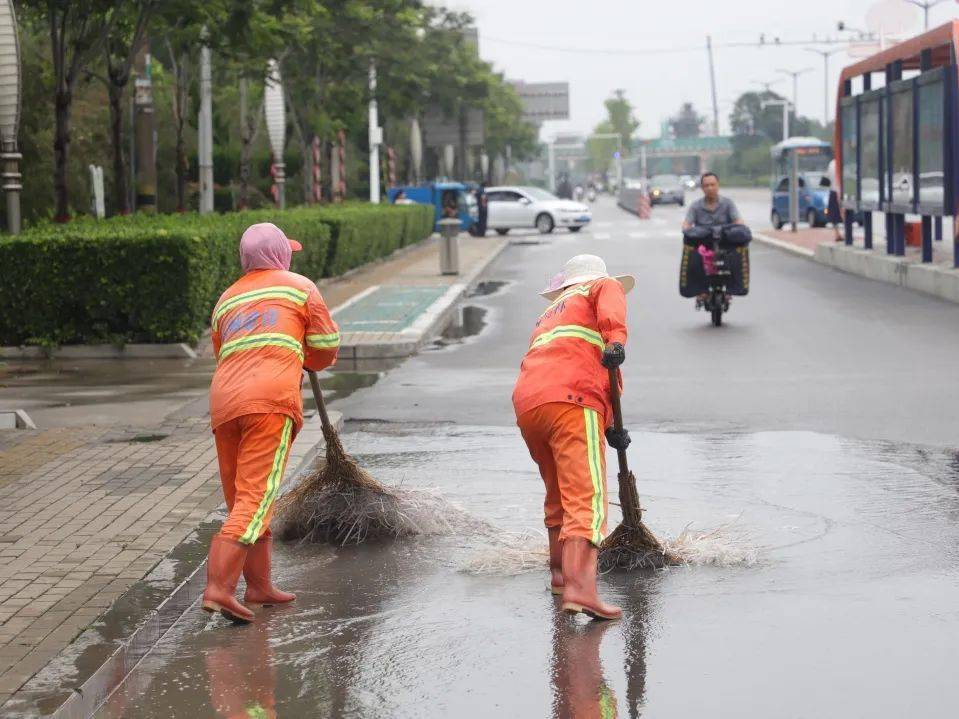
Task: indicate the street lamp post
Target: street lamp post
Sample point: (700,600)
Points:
(925,5)
(10,84)
(376,138)
(825,81)
(795,76)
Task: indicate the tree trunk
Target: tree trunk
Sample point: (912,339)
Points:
(246,148)
(121,194)
(180,102)
(61,153)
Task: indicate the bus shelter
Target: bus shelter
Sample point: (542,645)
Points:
(895,138)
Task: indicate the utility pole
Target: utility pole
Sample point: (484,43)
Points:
(376,137)
(795,76)
(825,81)
(145,130)
(712,84)
(205,129)
(925,5)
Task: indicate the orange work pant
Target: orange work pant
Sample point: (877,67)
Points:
(568,444)
(252,451)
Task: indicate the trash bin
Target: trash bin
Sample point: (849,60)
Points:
(449,246)
(913,234)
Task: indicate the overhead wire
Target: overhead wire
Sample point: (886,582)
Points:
(776,42)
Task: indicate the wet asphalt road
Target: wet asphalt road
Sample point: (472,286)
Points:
(818,422)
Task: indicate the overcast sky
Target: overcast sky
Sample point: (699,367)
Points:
(657,84)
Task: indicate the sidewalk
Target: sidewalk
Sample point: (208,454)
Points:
(937,278)
(393,308)
(85,514)
(87,509)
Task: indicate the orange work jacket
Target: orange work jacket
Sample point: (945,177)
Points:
(266,328)
(563,361)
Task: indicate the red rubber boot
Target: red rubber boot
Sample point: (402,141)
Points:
(223,568)
(256,571)
(579,581)
(555,560)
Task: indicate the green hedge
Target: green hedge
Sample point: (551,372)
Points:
(155,279)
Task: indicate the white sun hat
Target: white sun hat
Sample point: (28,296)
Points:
(583,268)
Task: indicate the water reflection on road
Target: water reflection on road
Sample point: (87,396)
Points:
(858,553)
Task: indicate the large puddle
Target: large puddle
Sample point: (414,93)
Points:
(857,547)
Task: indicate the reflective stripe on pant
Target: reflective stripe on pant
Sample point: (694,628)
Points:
(566,441)
(252,451)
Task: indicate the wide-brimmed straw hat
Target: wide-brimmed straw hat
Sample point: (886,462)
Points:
(583,268)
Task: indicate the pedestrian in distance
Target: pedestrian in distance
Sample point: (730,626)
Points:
(834,212)
(482,210)
(563,409)
(266,328)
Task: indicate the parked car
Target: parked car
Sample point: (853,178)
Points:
(532,207)
(665,189)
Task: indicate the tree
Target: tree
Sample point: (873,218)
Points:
(749,117)
(124,32)
(77,29)
(687,122)
(620,113)
(184,26)
(505,126)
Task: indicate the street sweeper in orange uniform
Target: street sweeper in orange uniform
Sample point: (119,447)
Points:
(268,326)
(562,404)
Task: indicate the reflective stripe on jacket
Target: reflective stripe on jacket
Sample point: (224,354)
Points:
(266,328)
(563,361)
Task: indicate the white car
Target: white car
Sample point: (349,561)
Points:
(510,208)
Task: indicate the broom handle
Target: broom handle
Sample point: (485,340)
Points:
(617,417)
(318,397)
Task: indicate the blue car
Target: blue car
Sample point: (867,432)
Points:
(813,201)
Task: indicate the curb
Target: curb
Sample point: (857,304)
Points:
(87,698)
(787,246)
(931,280)
(176,350)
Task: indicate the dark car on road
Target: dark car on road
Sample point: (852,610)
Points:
(666,189)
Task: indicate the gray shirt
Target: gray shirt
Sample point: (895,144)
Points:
(725,213)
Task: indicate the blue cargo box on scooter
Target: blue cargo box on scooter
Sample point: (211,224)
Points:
(694,281)
(439,195)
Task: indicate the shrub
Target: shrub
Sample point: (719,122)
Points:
(156,279)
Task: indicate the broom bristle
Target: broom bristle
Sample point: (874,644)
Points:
(339,502)
(629,548)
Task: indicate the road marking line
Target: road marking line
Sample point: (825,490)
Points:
(638,235)
(602,235)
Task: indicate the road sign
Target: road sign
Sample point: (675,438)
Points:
(543,100)
(440,130)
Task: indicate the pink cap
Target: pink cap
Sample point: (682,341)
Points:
(264,246)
